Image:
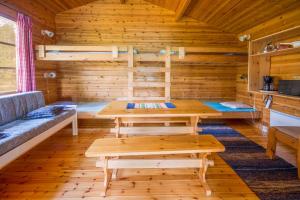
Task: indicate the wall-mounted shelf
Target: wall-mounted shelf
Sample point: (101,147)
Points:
(276,94)
(259,64)
(279,52)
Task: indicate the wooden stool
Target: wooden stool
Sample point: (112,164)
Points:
(289,135)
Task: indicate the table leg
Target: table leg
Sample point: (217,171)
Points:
(117,127)
(198,128)
(106,176)
(114,174)
(202,174)
(194,124)
(118,122)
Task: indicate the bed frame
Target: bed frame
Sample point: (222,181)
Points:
(169,55)
(8,157)
(238,115)
(130,55)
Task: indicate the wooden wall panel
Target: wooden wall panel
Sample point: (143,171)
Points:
(203,82)
(148,28)
(92,81)
(42,19)
(286,67)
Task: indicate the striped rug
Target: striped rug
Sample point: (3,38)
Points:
(269,179)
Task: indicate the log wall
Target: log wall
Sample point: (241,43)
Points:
(148,28)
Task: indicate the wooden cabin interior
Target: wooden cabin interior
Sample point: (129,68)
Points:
(150,99)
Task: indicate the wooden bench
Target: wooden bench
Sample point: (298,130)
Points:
(109,151)
(289,135)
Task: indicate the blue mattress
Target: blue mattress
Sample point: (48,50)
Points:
(85,106)
(91,106)
(219,107)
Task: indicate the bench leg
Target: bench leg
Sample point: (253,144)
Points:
(114,174)
(272,141)
(106,176)
(75,126)
(202,174)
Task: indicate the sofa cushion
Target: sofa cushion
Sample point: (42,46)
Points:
(7,111)
(45,112)
(3,135)
(21,131)
(15,106)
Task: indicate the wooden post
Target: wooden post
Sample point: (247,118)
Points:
(181,52)
(168,74)
(42,51)
(115,52)
(130,72)
(271,146)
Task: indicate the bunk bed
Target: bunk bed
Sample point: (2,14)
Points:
(196,55)
(233,113)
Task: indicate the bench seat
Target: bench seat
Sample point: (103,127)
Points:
(292,131)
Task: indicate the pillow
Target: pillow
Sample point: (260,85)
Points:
(234,105)
(3,135)
(45,112)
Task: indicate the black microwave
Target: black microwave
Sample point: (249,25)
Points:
(289,87)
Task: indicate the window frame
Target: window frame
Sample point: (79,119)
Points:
(9,17)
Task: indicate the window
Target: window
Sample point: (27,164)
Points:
(7,55)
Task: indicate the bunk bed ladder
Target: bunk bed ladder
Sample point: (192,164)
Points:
(134,68)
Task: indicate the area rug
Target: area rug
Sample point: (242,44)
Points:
(269,179)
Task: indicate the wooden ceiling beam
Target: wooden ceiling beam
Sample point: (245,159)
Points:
(182,8)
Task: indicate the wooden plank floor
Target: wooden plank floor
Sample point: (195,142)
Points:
(58,169)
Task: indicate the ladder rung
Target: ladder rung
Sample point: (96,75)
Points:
(148,98)
(149,69)
(149,84)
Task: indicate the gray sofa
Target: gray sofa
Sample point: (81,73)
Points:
(27,132)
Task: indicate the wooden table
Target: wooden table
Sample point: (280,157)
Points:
(191,109)
(109,148)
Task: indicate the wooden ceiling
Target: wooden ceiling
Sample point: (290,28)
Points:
(53,6)
(57,6)
(233,16)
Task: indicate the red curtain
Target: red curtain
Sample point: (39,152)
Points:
(25,55)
